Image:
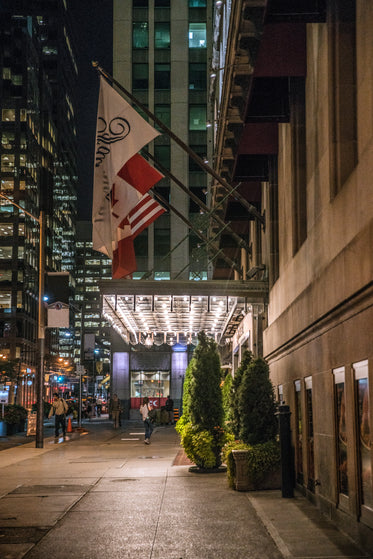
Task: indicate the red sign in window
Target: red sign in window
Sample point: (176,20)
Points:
(157,403)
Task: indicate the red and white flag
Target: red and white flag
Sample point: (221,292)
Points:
(124,260)
(120,133)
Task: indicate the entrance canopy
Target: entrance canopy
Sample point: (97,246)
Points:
(156,312)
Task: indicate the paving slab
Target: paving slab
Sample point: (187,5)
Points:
(107,494)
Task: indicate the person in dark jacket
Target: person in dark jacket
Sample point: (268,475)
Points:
(114,410)
(169,407)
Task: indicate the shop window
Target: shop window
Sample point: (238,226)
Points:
(162,35)
(140,78)
(8,115)
(298,432)
(197,77)
(162,76)
(140,35)
(197,35)
(364,438)
(341,431)
(153,384)
(197,117)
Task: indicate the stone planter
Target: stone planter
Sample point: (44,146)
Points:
(242,481)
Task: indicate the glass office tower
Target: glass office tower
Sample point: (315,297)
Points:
(161,53)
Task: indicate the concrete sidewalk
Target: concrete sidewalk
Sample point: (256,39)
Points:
(106,494)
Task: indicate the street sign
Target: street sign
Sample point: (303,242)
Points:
(4,395)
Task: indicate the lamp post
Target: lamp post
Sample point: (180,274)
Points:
(39,439)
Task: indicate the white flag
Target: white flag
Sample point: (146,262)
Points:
(120,133)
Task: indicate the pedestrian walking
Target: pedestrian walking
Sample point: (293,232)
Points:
(59,409)
(144,410)
(169,406)
(114,410)
(99,406)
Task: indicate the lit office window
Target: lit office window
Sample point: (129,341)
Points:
(7,140)
(5,300)
(197,117)
(8,115)
(5,275)
(162,35)
(197,35)
(140,35)
(7,163)
(6,229)
(7,185)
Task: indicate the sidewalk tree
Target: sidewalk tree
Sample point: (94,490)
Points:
(200,427)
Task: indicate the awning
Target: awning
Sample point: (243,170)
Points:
(155,312)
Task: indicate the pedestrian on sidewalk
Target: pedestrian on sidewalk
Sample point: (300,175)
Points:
(59,409)
(144,410)
(169,406)
(114,410)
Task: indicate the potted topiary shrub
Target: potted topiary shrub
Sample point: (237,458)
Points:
(254,460)
(201,425)
(15,417)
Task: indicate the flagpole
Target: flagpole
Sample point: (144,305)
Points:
(249,207)
(241,242)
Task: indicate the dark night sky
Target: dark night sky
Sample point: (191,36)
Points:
(93,33)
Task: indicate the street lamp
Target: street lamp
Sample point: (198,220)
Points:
(39,439)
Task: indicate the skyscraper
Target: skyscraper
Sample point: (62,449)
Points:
(161,53)
(38,167)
